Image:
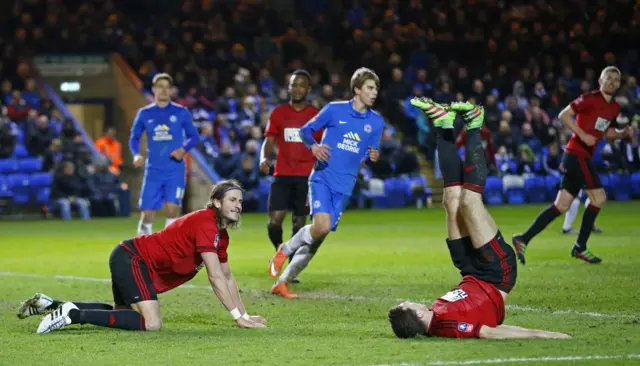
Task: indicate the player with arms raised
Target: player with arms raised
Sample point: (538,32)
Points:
(475,308)
(352,133)
(595,113)
(166,124)
(148,265)
(293,160)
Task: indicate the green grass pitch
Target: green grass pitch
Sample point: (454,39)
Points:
(374,260)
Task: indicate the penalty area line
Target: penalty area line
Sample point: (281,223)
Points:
(324,296)
(519,360)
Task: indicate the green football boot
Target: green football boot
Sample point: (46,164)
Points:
(473,115)
(439,114)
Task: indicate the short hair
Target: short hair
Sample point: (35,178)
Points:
(162,76)
(218,191)
(301,72)
(405,323)
(360,76)
(609,69)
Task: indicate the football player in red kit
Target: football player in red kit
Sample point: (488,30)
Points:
(595,114)
(148,265)
(475,308)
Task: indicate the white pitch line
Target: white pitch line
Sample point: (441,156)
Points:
(325,296)
(518,359)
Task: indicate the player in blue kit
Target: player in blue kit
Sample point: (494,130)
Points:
(352,132)
(170,134)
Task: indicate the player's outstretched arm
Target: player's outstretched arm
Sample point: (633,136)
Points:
(220,287)
(513,332)
(235,295)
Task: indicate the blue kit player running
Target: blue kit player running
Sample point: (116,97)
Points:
(170,134)
(352,132)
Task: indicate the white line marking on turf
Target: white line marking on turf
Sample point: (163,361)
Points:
(519,359)
(325,296)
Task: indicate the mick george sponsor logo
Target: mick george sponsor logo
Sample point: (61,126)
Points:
(350,142)
(161,133)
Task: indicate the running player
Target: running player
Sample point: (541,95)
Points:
(475,308)
(148,265)
(352,132)
(166,124)
(293,160)
(595,112)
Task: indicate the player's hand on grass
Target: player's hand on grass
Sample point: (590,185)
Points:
(265,166)
(321,152)
(373,154)
(588,139)
(554,335)
(138,160)
(242,323)
(258,319)
(178,154)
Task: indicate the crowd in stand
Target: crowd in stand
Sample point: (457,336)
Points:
(522,60)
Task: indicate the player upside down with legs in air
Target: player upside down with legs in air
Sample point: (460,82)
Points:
(475,308)
(151,264)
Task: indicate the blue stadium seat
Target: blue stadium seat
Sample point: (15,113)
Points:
(39,180)
(20,151)
(551,183)
(19,185)
(30,165)
(42,195)
(605,179)
(635,185)
(8,166)
(4,187)
(493,191)
(20,136)
(263,195)
(516,196)
(622,187)
(535,189)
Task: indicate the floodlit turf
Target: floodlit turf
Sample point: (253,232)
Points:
(375,259)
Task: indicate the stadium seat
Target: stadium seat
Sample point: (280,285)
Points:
(516,196)
(19,185)
(635,185)
(20,151)
(39,180)
(622,187)
(606,183)
(30,165)
(8,166)
(42,195)
(551,183)
(263,195)
(4,187)
(535,189)
(493,191)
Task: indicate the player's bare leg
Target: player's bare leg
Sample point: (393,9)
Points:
(563,201)
(304,244)
(598,198)
(145,225)
(171,212)
(150,311)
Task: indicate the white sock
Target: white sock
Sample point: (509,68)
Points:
(587,202)
(169,221)
(298,263)
(144,229)
(302,238)
(571,214)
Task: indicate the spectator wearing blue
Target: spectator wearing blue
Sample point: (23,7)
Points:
(106,189)
(67,193)
(249,177)
(552,161)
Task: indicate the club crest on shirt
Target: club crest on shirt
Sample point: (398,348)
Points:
(465,327)
(316,204)
(216,240)
(173,118)
(367,128)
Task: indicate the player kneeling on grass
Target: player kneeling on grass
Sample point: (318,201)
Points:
(151,264)
(475,308)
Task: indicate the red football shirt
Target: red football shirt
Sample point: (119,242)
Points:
(293,157)
(173,254)
(462,311)
(594,115)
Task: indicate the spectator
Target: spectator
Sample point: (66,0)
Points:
(7,138)
(631,150)
(487,143)
(18,108)
(248,176)
(67,193)
(207,145)
(104,201)
(52,156)
(111,148)
(226,162)
(552,161)
(530,139)
(40,136)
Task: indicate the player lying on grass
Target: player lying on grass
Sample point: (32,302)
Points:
(151,264)
(352,132)
(475,308)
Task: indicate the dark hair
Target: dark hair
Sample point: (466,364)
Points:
(162,76)
(218,191)
(301,72)
(405,323)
